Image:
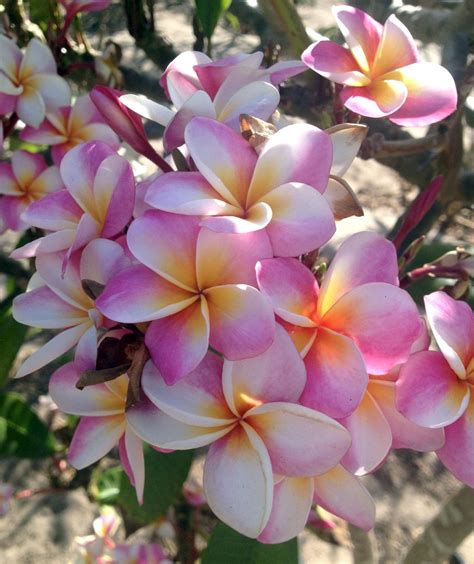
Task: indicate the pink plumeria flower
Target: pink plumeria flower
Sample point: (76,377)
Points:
(197,288)
(376,426)
(220,90)
(97,202)
(23,181)
(358,320)
(58,301)
(6,494)
(91,547)
(247,411)
(68,126)
(104,416)
(336,490)
(29,84)
(236,191)
(436,389)
(135,554)
(381,71)
(75,6)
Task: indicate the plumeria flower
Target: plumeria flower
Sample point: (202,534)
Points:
(436,388)
(197,288)
(236,191)
(247,411)
(58,301)
(91,547)
(97,202)
(381,71)
(135,554)
(220,90)
(29,84)
(376,426)
(23,181)
(68,126)
(336,490)
(358,321)
(104,415)
(6,494)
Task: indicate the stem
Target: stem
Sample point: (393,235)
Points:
(446,531)
(433,271)
(377,147)
(30,492)
(62,33)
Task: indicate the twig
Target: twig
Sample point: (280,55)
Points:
(446,531)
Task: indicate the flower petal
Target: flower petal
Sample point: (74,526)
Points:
(8,182)
(292,500)
(186,193)
(396,49)
(334,62)
(37,59)
(94,438)
(101,260)
(196,399)
(134,450)
(54,212)
(198,104)
(301,219)
(137,294)
(346,140)
(458,451)
(53,89)
(223,157)
(228,258)
(382,320)
(53,349)
(242,323)
(11,57)
(47,182)
(179,342)
(92,400)
(378,257)
(148,109)
(238,481)
(432,94)
(159,429)
(341,493)
(337,377)
(257,218)
(30,107)
(264,378)
(361,32)
(342,199)
(381,98)
(288,156)
(429,392)
(291,287)
(299,440)
(371,437)
(173,253)
(452,324)
(405,433)
(27,167)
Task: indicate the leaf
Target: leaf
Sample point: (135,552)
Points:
(105,485)
(12,337)
(22,433)
(164,478)
(229,546)
(209,12)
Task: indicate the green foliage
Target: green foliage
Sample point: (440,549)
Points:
(13,334)
(226,545)
(209,12)
(105,485)
(164,477)
(22,433)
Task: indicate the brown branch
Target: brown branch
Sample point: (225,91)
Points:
(446,531)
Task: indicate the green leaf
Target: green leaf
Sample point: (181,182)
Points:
(105,485)
(209,12)
(164,478)
(22,433)
(12,337)
(229,546)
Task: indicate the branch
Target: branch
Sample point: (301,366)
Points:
(365,546)
(446,531)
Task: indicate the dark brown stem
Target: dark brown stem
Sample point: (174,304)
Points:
(140,358)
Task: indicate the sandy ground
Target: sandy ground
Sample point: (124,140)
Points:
(408,489)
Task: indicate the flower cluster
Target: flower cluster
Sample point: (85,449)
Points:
(197,323)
